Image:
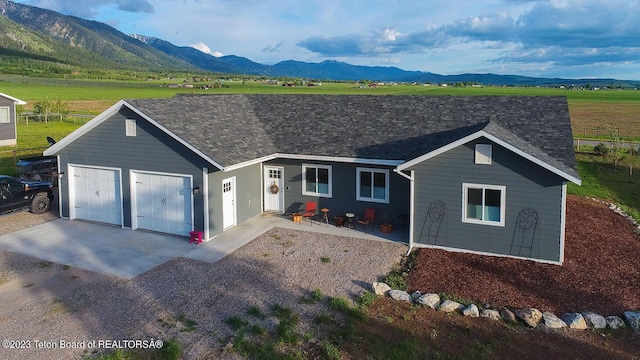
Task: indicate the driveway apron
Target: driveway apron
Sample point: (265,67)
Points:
(96,247)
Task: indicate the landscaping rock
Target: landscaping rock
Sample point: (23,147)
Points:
(633,318)
(431,300)
(491,314)
(574,320)
(594,320)
(450,306)
(399,295)
(508,316)
(551,321)
(471,310)
(530,316)
(380,288)
(614,322)
(415,295)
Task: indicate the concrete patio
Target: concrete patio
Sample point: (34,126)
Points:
(240,235)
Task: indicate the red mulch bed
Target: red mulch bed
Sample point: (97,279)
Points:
(601,271)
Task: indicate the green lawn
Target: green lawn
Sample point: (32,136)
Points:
(601,180)
(32,141)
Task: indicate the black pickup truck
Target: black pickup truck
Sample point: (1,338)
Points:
(17,194)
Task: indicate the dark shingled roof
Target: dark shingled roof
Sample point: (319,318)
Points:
(233,129)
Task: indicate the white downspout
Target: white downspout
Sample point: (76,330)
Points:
(411,203)
(563,216)
(205,205)
(60,176)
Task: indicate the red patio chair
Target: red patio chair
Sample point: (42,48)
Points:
(310,211)
(367,219)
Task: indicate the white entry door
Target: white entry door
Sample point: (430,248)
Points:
(273,191)
(162,202)
(229,202)
(95,194)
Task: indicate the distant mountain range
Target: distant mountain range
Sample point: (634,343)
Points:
(35,40)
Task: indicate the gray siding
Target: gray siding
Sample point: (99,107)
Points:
(8,130)
(150,150)
(343,198)
(527,186)
(248,196)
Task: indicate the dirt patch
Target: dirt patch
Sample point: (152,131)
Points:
(600,272)
(24,219)
(399,330)
(51,302)
(600,118)
(191,301)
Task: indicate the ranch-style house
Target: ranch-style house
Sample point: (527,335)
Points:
(480,174)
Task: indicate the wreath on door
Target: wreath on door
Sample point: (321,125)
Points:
(274,188)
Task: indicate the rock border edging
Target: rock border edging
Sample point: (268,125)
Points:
(616,209)
(530,316)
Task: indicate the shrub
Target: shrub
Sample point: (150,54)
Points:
(236,322)
(170,350)
(366,298)
(331,351)
(601,149)
(281,312)
(338,303)
(256,312)
(314,297)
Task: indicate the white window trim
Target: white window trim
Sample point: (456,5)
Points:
(483,154)
(359,197)
(131,127)
(503,198)
(304,180)
(8,112)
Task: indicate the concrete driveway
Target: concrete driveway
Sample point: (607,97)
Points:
(125,253)
(96,247)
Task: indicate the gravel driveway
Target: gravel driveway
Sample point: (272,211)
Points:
(44,301)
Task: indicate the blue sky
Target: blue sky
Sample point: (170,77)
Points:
(548,38)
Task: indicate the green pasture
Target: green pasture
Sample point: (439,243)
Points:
(599,179)
(34,89)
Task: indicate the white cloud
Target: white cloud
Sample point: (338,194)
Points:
(206,49)
(390,34)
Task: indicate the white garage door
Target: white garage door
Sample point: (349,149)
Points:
(162,202)
(95,194)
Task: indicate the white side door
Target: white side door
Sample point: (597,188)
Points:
(273,191)
(229,202)
(95,194)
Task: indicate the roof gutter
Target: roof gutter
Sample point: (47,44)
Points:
(411,179)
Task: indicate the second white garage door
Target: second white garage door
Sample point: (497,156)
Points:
(162,202)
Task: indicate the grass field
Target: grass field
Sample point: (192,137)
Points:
(34,89)
(594,114)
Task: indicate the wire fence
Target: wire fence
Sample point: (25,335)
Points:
(41,118)
(602,132)
(9,158)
